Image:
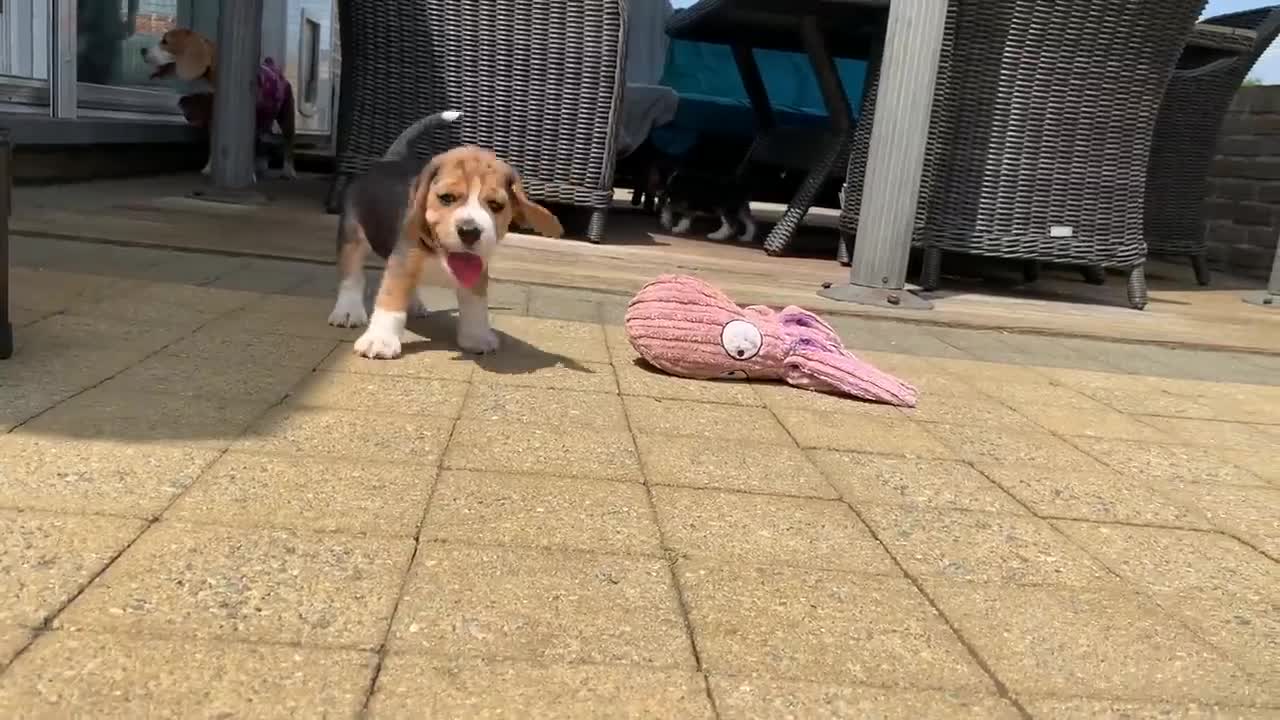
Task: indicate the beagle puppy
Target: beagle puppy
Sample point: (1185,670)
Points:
(437,225)
(191,56)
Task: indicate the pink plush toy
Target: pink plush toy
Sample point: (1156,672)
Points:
(685,327)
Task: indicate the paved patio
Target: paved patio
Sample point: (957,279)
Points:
(209,507)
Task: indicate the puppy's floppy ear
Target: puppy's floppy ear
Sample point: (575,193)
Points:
(416,217)
(529,214)
(194,57)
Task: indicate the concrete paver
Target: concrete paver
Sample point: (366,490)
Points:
(380,394)
(302,493)
(738,528)
(1092,642)
(504,447)
(416,439)
(247,584)
(741,697)
(127,678)
(221,510)
(822,626)
(865,479)
(47,559)
(1100,494)
(408,683)
(1161,560)
(550,512)
(96,476)
(742,466)
(711,422)
(469,603)
(820,429)
(563,409)
(982,547)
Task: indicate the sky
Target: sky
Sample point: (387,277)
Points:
(1268,68)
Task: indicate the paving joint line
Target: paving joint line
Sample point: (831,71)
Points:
(1002,690)
(671,560)
(381,650)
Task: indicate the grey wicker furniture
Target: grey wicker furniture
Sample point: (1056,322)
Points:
(1041,133)
(1214,63)
(539,81)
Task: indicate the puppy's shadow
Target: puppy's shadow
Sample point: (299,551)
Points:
(514,356)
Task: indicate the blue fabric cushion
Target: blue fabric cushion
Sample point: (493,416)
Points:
(712,98)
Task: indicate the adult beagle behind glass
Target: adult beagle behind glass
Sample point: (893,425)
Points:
(193,57)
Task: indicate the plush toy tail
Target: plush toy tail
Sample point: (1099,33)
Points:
(818,361)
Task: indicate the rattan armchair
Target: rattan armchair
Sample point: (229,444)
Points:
(1041,133)
(1214,63)
(539,81)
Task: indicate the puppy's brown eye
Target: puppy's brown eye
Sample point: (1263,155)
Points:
(496,206)
(447,198)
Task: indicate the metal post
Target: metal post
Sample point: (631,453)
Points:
(1271,296)
(895,162)
(6,184)
(62,61)
(234,133)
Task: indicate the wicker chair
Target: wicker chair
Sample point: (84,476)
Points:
(1041,133)
(539,81)
(1209,73)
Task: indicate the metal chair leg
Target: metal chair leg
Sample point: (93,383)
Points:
(844,255)
(931,268)
(595,226)
(1200,263)
(1138,287)
(1094,274)
(1030,271)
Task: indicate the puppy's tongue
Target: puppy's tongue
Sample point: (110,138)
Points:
(466,267)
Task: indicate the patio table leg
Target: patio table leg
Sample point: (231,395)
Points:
(895,162)
(234,127)
(841,119)
(1271,296)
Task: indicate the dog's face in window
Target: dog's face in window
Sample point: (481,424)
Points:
(184,52)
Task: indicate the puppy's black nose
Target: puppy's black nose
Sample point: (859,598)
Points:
(142,51)
(468,232)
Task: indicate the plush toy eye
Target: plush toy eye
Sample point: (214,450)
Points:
(741,339)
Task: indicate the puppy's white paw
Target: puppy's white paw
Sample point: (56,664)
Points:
(724,232)
(289,172)
(478,341)
(208,168)
(378,344)
(682,227)
(349,311)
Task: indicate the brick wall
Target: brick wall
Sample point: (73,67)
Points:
(1243,206)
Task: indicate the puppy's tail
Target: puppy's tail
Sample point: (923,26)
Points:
(400,148)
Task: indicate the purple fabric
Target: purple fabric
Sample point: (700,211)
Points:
(273,89)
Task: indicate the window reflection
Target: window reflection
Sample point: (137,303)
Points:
(113,33)
(24,39)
